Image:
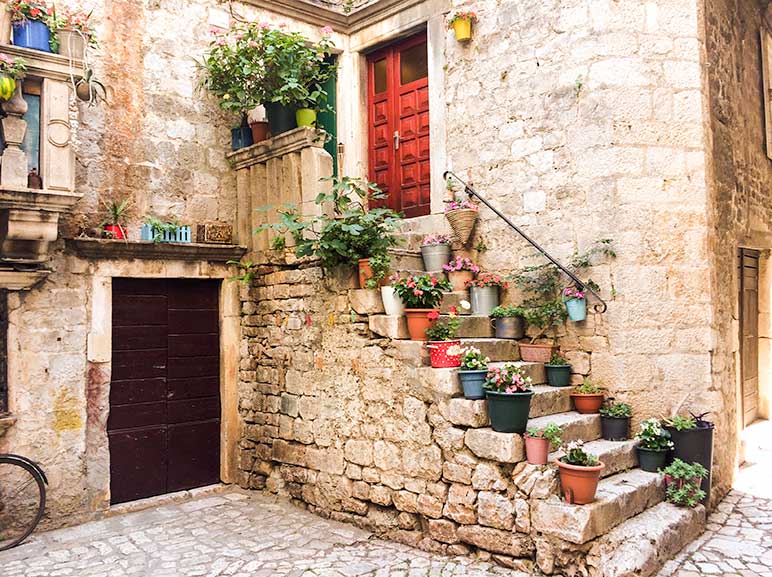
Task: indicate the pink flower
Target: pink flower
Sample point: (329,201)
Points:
(326,30)
(282,25)
(418,292)
(264,26)
(221,42)
(433,316)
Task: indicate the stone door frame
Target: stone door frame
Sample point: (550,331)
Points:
(99,355)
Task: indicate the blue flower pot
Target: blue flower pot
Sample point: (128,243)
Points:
(241,137)
(577,309)
(472,382)
(32,34)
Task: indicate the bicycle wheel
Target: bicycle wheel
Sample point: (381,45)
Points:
(22,500)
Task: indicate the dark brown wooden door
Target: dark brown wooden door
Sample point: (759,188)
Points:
(749,327)
(398,120)
(164,424)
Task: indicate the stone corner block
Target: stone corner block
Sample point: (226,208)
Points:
(366,301)
(501,447)
(468,413)
(391,327)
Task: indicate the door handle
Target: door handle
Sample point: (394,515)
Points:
(396,140)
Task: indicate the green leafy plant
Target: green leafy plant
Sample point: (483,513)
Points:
(653,437)
(616,410)
(89,89)
(473,360)
(248,271)
(158,227)
(558,360)
(12,67)
(351,233)
(379,265)
(443,330)
(506,311)
(680,423)
(576,455)
(116,211)
(551,432)
(420,292)
(278,243)
(508,379)
(589,387)
(683,483)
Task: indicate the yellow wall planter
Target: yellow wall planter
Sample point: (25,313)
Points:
(463,30)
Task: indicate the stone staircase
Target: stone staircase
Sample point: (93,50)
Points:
(627,531)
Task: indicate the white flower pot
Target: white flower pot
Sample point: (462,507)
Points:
(392,304)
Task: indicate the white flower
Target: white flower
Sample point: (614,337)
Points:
(466,306)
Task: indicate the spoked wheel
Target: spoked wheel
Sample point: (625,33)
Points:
(22,499)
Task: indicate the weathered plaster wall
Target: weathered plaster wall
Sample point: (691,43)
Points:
(740,199)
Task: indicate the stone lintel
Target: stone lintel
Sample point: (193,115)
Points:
(14,280)
(187,251)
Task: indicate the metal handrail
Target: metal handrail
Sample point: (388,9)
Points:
(600,306)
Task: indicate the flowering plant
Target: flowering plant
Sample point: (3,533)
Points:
(23,10)
(446,331)
(653,437)
(420,292)
(571,294)
(432,239)
(576,455)
(488,280)
(76,20)
(12,68)
(473,360)
(461,15)
(460,263)
(509,379)
(460,204)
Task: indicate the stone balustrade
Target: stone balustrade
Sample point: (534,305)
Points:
(285,170)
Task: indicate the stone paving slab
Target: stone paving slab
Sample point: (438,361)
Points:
(235,534)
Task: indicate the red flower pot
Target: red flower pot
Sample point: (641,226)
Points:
(537,450)
(578,484)
(417,322)
(587,404)
(117,231)
(438,354)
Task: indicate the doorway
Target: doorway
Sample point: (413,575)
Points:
(164,423)
(749,334)
(398,125)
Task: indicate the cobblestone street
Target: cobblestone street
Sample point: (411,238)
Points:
(231,534)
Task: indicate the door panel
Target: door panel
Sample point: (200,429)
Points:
(749,326)
(164,423)
(398,104)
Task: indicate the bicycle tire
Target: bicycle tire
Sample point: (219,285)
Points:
(39,477)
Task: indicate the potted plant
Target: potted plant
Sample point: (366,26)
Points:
(509,393)
(444,347)
(157,230)
(115,215)
(422,296)
(30,20)
(653,444)
(615,420)
(538,443)
(484,293)
(692,438)
(392,303)
(435,250)
(73,31)
(508,321)
(576,304)
(374,270)
(579,474)
(11,70)
(349,233)
(460,270)
(89,89)
(462,216)
(474,369)
(558,370)
(461,23)
(682,483)
(588,397)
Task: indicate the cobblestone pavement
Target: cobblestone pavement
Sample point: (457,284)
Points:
(234,534)
(738,538)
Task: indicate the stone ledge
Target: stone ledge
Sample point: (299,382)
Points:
(293,141)
(46,64)
(187,251)
(20,280)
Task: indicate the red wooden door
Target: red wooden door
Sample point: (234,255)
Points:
(398,120)
(164,424)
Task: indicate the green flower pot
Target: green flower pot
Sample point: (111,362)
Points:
(305,117)
(509,411)
(651,461)
(558,375)
(280,118)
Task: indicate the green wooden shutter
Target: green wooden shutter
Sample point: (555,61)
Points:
(329,121)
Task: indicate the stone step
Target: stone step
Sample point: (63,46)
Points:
(453,299)
(642,545)
(575,425)
(403,258)
(474,413)
(415,353)
(618,456)
(473,327)
(619,498)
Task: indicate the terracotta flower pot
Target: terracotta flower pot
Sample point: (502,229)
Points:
(417,323)
(536,353)
(458,279)
(365,272)
(537,449)
(439,356)
(579,484)
(260,131)
(587,404)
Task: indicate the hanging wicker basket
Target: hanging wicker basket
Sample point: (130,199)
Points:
(462,222)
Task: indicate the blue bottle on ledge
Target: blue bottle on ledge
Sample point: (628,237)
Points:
(32,34)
